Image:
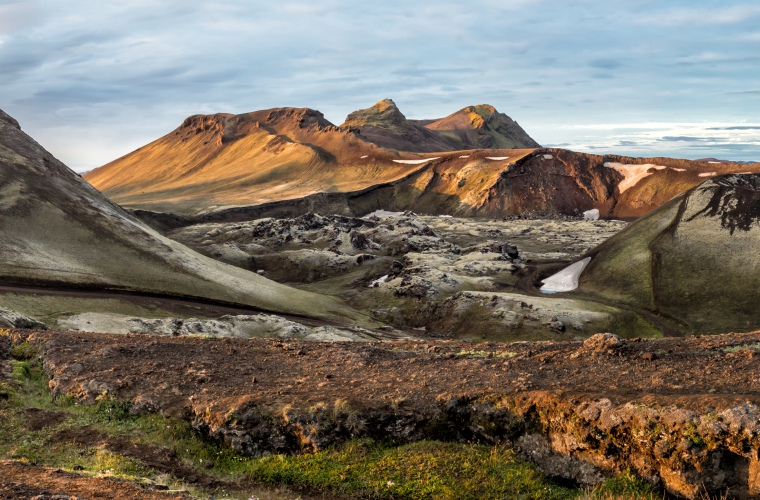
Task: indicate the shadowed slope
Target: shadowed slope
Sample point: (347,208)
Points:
(694,259)
(55,229)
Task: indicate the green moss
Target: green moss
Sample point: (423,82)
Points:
(21,370)
(24,351)
(423,470)
(736,348)
(626,485)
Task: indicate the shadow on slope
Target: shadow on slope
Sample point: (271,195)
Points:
(57,230)
(694,259)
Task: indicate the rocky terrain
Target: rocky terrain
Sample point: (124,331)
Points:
(682,413)
(428,276)
(375,331)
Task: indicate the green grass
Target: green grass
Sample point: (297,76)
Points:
(423,470)
(737,348)
(427,470)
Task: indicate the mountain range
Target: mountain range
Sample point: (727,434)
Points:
(474,162)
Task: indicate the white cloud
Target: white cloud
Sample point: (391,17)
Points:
(725,14)
(84,70)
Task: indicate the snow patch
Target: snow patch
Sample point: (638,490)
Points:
(416,162)
(384,213)
(497,158)
(567,279)
(446,216)
(715,162)
(378,281)
(592,214)
(678,169)
(465,156)
(364,156)
(548,157)
(708,174)
(632,173)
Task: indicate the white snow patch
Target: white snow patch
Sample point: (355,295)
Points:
(384,213)
(548,157)
(678,169)
(592,214)
(715,162)
(465,156)
(632,173)
(497,158)
(416,162)
(708,174)
(567,279)
(364,156)
(446,216)
(378,281)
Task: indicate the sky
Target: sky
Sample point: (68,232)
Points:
(92,80)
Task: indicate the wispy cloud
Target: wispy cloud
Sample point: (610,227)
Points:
(93,81)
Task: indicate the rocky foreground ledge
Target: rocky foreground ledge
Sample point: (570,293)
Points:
(681,413)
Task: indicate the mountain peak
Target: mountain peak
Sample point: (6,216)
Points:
(482,126)
(383,114)
(9,119)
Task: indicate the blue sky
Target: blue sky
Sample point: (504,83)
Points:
(95,80)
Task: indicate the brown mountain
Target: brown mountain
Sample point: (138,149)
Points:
(383,124)
(289,161)
(473,127)
(482,127)
(219,161)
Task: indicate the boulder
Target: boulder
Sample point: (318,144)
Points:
(603,342)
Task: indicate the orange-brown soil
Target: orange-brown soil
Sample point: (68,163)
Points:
(677,411)
(20,481)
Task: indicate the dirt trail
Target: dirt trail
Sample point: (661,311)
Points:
(24,482)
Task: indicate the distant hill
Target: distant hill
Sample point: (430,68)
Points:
(482,127)
(475,162)
(473,127)
(715,160)
(218,161)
